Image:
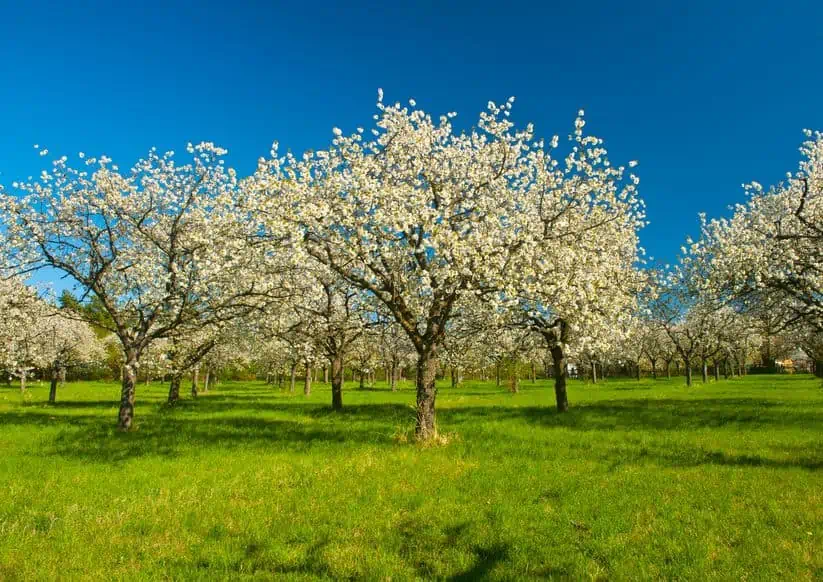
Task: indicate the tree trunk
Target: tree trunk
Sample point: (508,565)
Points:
(207,380)
(426,393)
(125,416)
(326,375)
(362,380)
(62,376)
(687,364)
(514,382)
(716,371)
(393,377)
(534,373)
(337,383)
(704,370)
(307,381)
(559,366)
(53,387)
(637,367)
(174,388)
(23,374)
(454,378)
(668,369)
(497,373)
(654,369)
(726,369)
(594,372)
(195,379)
(293,375)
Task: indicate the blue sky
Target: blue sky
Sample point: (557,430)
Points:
(706,95)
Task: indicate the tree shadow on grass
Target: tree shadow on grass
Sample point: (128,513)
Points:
(230,422)
(95,438)
(651,414)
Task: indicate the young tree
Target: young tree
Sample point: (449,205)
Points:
(22,316)
(67,342)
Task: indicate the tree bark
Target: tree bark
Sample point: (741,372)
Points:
(668,369)
(174,388)
(23,374)
(654,369)
(594,372)
(704,370)
(637,367)
(337,383)
(393,377)
(497,373)
(195,379)
(426,393)
(62,377)
(207,380)
(293,375)
(307,381)
(560,371)
(514,382)
(53,386)
(326,375)
(716,371)
(687,364)
(125,416)
(362,380)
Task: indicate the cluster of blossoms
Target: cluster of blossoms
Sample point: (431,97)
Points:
(766,259)
(35,336)
(412,228)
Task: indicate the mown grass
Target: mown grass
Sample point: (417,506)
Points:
(640,480)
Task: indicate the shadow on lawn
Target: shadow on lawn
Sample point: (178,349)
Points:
(232,421)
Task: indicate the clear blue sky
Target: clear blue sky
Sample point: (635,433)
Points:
(706,95)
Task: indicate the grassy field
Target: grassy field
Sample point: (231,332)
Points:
(640,480)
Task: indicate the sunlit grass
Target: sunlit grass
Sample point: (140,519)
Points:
(639,480)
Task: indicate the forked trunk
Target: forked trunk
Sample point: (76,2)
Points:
(337,383)
(426,393)
(559,366)
(125,416)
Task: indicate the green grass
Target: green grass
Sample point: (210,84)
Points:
(640,480)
